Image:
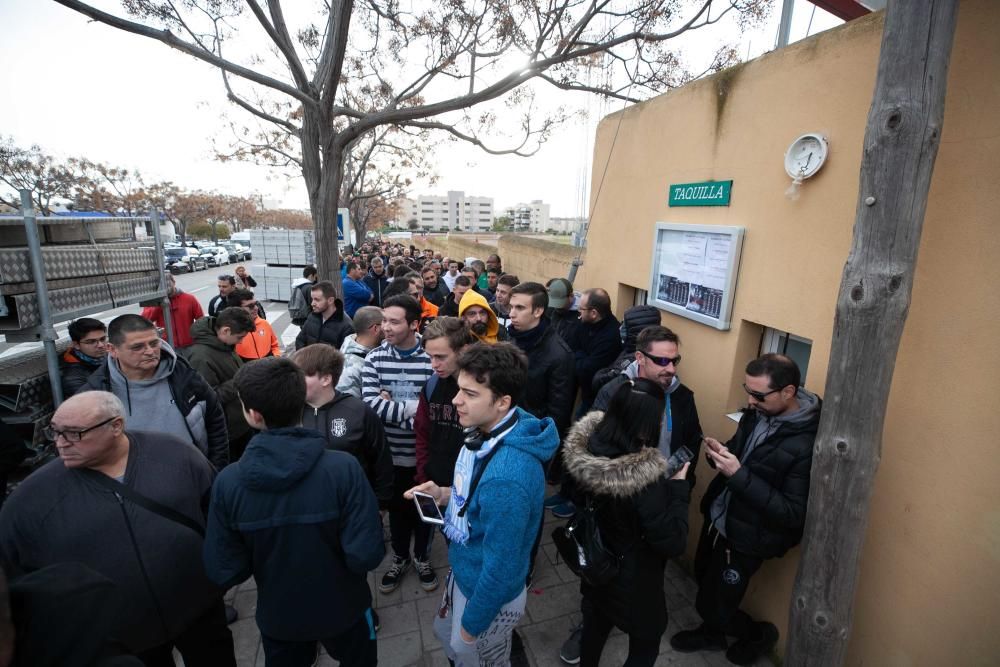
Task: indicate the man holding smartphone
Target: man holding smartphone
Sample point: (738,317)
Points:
(755,507)
(494,506)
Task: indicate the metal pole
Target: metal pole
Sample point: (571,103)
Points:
(154,220)
(49,337)
(785,27)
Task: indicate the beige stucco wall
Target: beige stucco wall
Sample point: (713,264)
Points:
(530,259)
(929,592)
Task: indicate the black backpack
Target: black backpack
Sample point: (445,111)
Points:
(581,546)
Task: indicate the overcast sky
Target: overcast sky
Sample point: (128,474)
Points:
(83,89)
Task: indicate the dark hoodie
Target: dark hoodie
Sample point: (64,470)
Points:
(349,425)
(439,435)
(217,363)
(304,522)
(377,284)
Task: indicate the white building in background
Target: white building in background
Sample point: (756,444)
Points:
(568,225)
(530,217)
(454,212)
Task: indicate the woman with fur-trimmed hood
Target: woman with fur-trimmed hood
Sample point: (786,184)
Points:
(612,460)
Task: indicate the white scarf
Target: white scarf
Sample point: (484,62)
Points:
(456,528)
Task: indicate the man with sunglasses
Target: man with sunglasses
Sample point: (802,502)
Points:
(657,357)
(128,505)
(755,507)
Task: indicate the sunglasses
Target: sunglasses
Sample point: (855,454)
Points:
(760,396)
(662,361)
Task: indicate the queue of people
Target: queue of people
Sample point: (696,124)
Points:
(184,472)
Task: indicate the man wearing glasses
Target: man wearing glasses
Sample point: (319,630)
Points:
(161,392)
(87,349)
(755,508)
(127,504)
(657,358)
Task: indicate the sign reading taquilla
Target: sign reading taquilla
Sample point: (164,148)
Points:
(709,193)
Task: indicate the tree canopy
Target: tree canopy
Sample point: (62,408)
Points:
(325,75)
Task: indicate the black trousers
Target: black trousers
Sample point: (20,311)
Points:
(404,522)
(355,647)
(206,643)
(642,652)
(723,574)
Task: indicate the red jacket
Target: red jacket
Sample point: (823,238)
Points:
(184,310)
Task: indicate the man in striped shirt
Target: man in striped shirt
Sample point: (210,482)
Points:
(393,377)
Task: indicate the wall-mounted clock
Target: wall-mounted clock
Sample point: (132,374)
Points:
(806,155)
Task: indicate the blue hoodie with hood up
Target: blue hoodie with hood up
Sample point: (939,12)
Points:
(504,515)
(303,520)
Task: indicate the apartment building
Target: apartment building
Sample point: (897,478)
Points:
(453,212)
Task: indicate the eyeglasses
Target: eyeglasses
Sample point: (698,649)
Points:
(94,341)
(662,361)
(760,396)
(72,436)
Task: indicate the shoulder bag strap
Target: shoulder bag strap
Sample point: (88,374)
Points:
(148,503)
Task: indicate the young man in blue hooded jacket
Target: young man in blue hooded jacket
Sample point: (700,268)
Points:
(494,506)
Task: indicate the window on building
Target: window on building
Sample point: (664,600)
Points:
(795,347)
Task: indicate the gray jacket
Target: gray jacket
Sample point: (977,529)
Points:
(354,363)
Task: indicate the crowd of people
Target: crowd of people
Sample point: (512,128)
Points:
(186,469)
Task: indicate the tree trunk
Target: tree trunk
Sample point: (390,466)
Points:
(323,176)
(901,143)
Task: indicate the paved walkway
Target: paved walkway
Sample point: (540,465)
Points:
(407,638)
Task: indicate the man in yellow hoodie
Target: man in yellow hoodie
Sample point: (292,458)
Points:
(480,318)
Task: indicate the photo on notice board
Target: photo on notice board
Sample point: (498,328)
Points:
(694,271)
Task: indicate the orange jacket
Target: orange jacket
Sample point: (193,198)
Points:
(259,343)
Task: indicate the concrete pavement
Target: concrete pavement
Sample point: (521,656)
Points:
(406,637)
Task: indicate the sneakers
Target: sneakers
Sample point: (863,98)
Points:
(564,510)
(746,651)
(428,579)
(689,641)
(553,500)
(570,651)
(394,575)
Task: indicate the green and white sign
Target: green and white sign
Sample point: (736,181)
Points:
(709,193)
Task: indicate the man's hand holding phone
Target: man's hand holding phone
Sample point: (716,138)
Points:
(720,458)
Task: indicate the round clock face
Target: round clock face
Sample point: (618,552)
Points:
(806,155)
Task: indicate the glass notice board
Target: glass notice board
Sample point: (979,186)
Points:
(694,271)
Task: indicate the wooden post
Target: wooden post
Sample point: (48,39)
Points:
(901,143)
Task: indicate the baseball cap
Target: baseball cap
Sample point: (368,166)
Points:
(560,290)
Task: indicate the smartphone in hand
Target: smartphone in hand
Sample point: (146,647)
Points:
(677,460)
(427,508)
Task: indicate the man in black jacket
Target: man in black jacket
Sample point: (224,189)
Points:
(596,342)
(92,506)
(327,323)
(160,390)
(227,284)
(87,349)
(377,280)
(551,387)
(755,508)
(348,423)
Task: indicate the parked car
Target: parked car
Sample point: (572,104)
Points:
(234,254)
(183,260)
(244,251)
(215,256)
